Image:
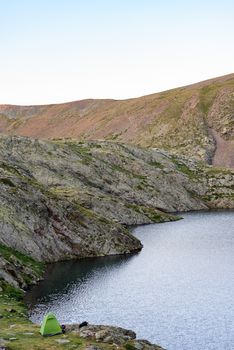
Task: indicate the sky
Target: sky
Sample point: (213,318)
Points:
(55,51)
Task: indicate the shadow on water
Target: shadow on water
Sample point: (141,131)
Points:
(59,277)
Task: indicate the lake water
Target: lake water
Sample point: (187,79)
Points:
(177,292)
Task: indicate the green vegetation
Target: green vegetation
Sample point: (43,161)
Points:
(217,171)
(18,333)
(207,96)
(10,255)
(79,148)
(9,292)
(182,167)
(7,182)
(113,137)
(129,346)
(157,164)
(120,169)
(8,215)
(140,187)
(66,192)
(10,169)
(153,214)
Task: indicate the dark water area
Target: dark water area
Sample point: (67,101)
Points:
(177,292)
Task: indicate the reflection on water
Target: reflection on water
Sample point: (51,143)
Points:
(63,278)
(178,291)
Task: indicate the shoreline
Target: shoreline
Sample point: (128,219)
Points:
(13,313)
(17,332)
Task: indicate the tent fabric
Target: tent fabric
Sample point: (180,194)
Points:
(50,325)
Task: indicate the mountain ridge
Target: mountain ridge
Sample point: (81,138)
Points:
(202,82)
(184,120)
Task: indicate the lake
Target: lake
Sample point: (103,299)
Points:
(177,292)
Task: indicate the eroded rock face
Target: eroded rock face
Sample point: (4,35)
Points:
(11,273)
(18,273)
(65,199)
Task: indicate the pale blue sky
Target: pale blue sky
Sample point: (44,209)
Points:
(62,50)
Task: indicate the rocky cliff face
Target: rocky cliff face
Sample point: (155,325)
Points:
(195,120)
(66,199)
(18,270)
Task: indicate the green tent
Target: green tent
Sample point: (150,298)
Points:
(50,325)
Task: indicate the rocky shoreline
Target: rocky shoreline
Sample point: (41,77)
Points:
(112,335)
(66,199)
(18,333)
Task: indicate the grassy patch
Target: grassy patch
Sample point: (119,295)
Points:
(118,168)
(129,346)
(113,137)
(10,169)
(9,254)
(221,171)
(207,96)
(140,187)
(9,291)
(153,214)
(20,334)
(183,168)
(7,182)
(157,164)
(79,148)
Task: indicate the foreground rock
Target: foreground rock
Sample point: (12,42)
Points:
(13,272)
(105,334)
(111,335)
(18,270)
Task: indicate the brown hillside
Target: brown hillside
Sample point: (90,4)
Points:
(196,120)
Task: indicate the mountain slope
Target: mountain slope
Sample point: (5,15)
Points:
(65,199)
(196,120)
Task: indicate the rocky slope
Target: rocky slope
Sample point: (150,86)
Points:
(18,270)
(66,199)
(196,120)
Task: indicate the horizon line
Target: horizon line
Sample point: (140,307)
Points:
(120,99)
